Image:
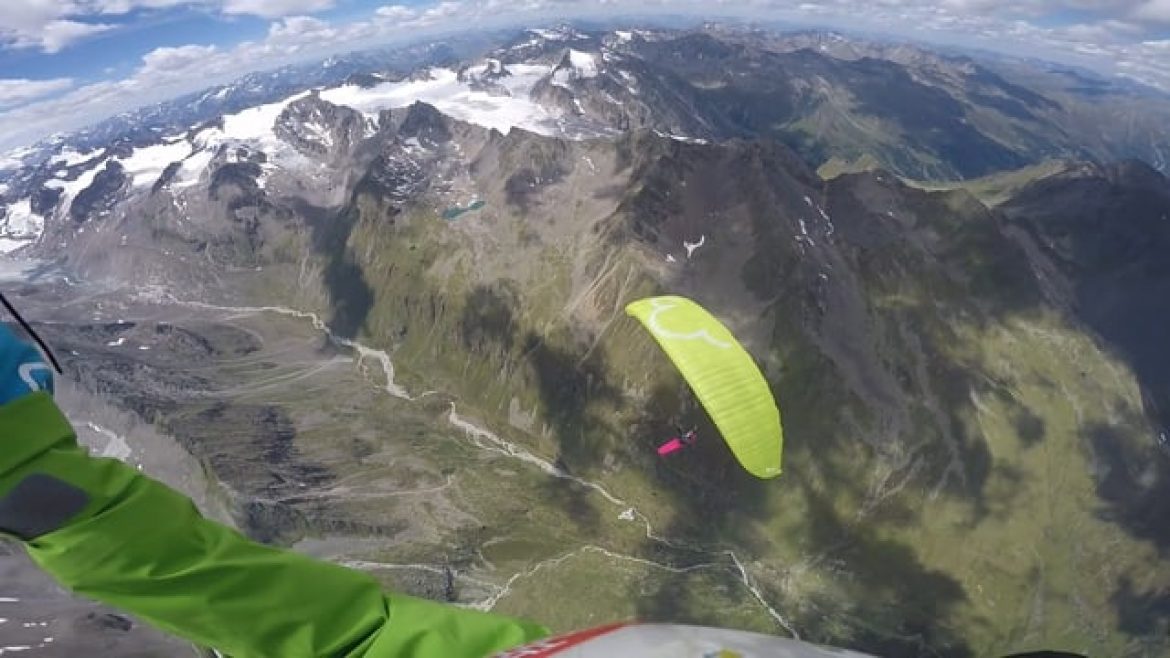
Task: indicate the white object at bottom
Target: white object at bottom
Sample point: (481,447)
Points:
(672,641)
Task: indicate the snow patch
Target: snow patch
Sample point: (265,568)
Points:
(692,246)
(207,137)
(71,158)
(251,125)
(116,446)
(584,64)
(581,66)
(22,221)
(680,138)
(117,343)
(624,36)
(12,270)
(671,259)
(551,35)
(561,78)
(191,169)
(146,165)
(490,66)
(14,159)
(70,189)
(828,222)
(318,133)
(456,99)
(534,41)
(20,226)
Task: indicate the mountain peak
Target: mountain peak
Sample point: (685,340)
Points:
(425,123)
(318,128)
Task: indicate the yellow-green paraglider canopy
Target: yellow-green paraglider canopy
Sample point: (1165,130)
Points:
(723,376)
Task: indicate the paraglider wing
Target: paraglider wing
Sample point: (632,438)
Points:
(723,376)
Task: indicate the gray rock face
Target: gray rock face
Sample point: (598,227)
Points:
(101,196)
(320,129)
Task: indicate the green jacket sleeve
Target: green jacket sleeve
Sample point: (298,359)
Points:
(138,545)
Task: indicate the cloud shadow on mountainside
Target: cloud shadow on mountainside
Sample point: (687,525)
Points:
(718,506)
(1105,232)
(902,606)
(722,507)
(350,296)
(1133,481)
(569,382)
(1141,613)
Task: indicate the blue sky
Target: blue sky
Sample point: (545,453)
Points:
(121,48)
(143,29)
(65,63)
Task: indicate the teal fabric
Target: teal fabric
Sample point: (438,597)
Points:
(22,369)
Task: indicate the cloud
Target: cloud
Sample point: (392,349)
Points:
(441,11)
(50,25)
(301,29)
(1154,10)
(17,91)
(57,35)
(19,15)
(175,64)
(170,71)
(395,13)
(53,25)
(275,8)
(126,6)
(29,25)
(1126,37)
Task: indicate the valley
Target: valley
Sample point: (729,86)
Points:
(277,312)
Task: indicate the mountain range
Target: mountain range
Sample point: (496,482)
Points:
(406,276)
